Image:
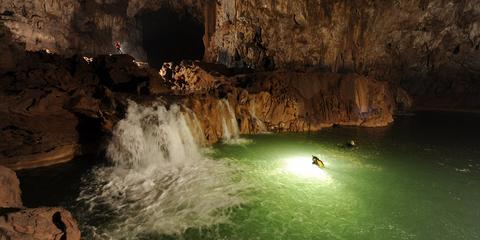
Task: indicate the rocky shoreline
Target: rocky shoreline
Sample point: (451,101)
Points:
(55,108)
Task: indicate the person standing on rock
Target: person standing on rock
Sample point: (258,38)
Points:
(118,47)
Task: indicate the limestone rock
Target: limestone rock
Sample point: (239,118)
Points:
(430,48)
(9,189)
(189,76)
(39,223)
(86,105)
(39,110)
(120,72)
(295,102)
(33,122)
(21,223)
(53,107)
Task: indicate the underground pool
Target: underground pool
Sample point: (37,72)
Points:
(405,181)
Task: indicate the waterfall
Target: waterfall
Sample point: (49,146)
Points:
(195,127)
(253,113)
(231,133)
(158,181)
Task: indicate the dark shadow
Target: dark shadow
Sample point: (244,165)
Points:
(171,37)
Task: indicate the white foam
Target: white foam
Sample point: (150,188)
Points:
(160,182)
(231,132)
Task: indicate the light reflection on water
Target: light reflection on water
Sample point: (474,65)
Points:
(301,166)
(417,179)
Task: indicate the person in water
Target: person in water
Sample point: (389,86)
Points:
(318,162)
(351,144)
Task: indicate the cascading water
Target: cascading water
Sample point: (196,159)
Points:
(159,182)
(259,123)
(195,126)
(231,133)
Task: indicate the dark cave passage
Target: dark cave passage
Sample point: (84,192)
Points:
(169,36)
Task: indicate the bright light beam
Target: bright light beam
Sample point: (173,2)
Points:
(303,167)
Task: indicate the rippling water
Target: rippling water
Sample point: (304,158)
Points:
(417,179)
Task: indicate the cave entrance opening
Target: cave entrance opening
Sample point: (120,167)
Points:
(169,36)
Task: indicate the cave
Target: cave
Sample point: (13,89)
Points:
(169,36)
(239,119)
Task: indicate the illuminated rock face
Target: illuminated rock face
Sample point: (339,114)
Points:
(296,102)
(429,47)
(54,108)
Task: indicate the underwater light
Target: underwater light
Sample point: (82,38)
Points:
(303,167)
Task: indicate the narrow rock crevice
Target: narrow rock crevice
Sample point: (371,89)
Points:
(57,220)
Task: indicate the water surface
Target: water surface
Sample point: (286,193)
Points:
(416,179)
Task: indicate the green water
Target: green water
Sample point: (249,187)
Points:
(417,179)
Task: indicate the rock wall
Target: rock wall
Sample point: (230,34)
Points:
(295,102)
(53,108)
(89,27)
(429,47)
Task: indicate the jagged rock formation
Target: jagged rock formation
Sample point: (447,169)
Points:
(54,108)
(190,77)
(429,47)
(296,102)
(17,222)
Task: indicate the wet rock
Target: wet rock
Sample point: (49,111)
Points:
(9,189)
(38,223)
(53,107)
(17,222)
(295,102)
